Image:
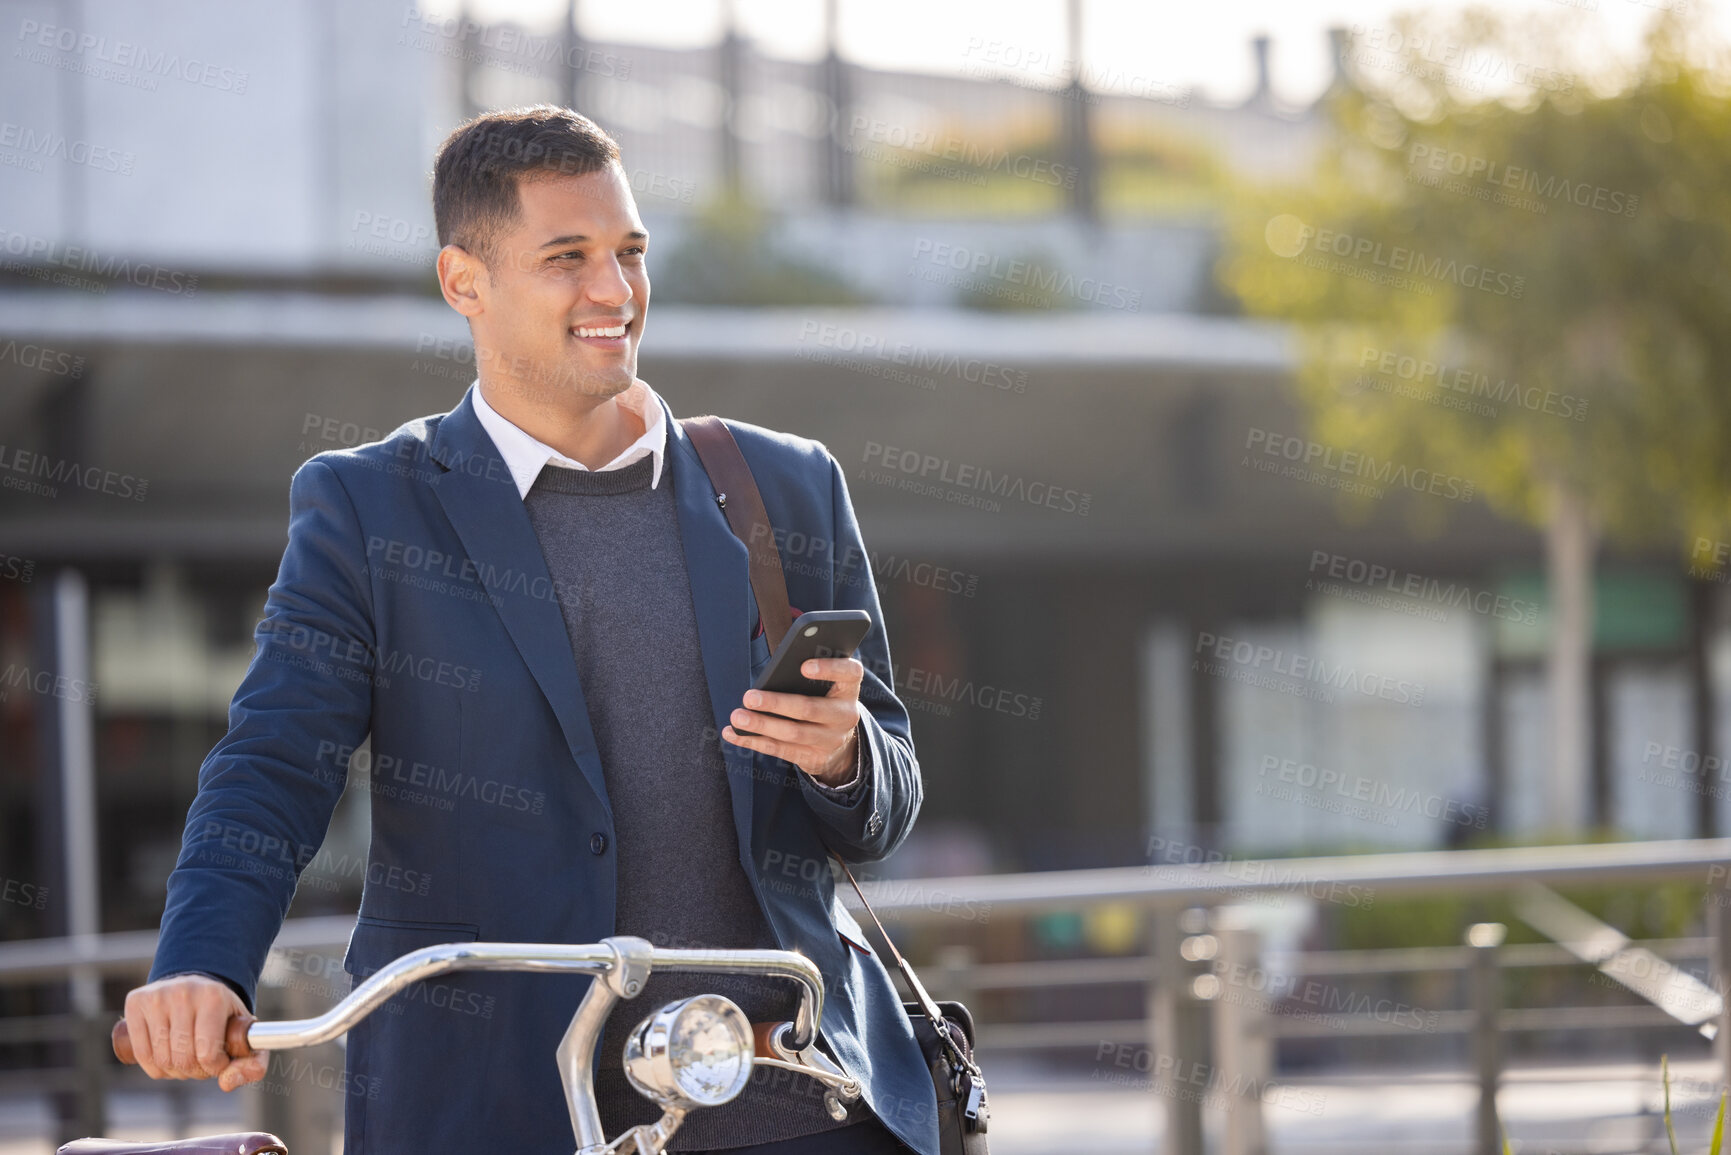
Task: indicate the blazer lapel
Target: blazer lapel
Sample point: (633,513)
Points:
(482,501)
(715,561)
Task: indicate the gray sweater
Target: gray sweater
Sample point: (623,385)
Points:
(612,546)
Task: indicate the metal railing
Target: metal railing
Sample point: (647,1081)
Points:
(1191,948)
(1194,941)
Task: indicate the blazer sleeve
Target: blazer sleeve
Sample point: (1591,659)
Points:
(267,790)
(869,821)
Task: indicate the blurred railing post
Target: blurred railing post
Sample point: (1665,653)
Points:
(1719,963)
(90,1051)
(75,793)
(1486,982)
(1243,1052)
(1180,1028)
(178,1092)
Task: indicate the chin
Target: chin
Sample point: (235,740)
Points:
(606,382)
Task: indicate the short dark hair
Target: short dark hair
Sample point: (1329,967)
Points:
(476,173)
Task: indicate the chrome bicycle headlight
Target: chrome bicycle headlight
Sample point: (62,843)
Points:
(696,1052)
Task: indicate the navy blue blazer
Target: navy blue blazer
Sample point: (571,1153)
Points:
(413,604)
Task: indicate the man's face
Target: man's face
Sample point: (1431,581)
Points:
(562,302)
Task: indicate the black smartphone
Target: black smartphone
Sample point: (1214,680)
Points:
(814,634)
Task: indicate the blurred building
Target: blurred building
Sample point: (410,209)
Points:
(217,250)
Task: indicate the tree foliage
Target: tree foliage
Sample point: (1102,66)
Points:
(1527,290)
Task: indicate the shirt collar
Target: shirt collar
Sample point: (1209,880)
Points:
(524,455)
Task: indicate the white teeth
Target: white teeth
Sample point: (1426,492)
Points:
(610,331)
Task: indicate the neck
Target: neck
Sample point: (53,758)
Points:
(586,429)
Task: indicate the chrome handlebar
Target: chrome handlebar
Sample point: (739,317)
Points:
(598,959)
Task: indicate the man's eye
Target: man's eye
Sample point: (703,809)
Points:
(574,253)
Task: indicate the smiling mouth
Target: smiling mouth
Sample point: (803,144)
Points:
(602,332)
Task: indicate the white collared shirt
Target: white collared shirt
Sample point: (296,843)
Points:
(524,455)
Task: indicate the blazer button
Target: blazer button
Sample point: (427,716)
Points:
(597,843)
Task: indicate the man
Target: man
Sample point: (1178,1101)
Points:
(533,611)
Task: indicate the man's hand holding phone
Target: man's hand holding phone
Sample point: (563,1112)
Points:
(816,734)
(790,713)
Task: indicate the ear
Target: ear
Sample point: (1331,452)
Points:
(462,279)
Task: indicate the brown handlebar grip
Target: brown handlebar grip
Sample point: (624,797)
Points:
(233,1039)
(122,1041)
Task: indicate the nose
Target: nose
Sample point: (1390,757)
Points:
(609,287)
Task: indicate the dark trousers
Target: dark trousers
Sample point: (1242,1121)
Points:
(867,1137)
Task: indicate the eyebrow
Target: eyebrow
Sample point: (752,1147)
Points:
(579,238)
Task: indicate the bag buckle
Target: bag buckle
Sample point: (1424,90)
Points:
(974,1109)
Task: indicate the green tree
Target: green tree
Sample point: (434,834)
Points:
(1525,284)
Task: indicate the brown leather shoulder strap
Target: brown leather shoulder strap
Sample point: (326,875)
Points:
(928,1006)
(737,494)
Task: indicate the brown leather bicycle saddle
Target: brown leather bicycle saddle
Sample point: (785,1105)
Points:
(238,1143)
